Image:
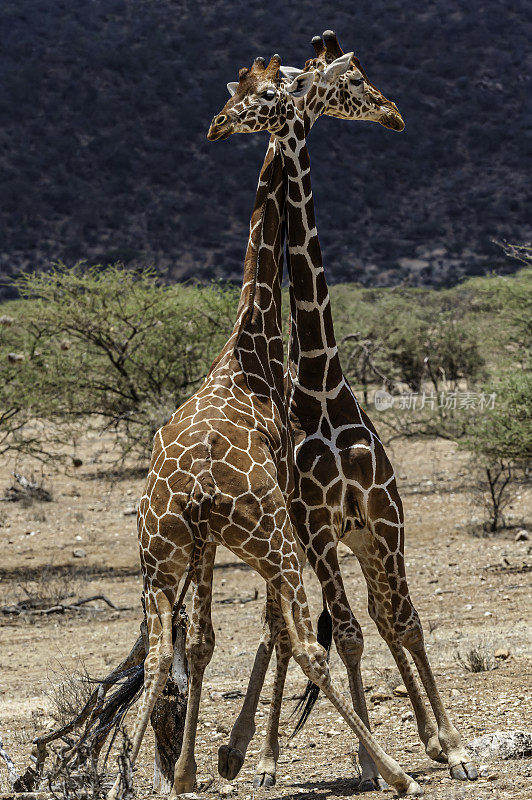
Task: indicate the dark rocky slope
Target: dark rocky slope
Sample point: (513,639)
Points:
(105,106)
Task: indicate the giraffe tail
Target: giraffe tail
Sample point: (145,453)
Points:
(311,693)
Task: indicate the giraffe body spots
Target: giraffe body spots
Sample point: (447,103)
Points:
(307,323)
(312,491)
(325,468)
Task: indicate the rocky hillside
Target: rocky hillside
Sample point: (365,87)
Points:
(105,106)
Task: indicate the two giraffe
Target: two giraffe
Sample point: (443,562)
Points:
(221,469)
(345,488)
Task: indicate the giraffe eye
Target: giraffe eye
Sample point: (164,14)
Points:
(357,81)
(269,94)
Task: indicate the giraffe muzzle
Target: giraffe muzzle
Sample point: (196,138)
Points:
(392,120)
(221,128)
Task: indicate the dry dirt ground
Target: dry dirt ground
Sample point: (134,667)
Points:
(468,590)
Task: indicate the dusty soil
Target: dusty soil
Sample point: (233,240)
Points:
(468,590)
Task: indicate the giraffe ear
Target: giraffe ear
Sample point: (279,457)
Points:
(300,85)
(232,87)
(338,66)
(290,72)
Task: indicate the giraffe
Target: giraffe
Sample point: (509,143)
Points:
(345,489)
(221,469)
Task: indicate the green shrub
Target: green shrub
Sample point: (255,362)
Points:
(108,348)
(414,343)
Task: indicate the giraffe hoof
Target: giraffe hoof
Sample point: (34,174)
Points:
(434,751)
(263,780)
(182,785)
(412,790)
(230,760)
(376,784)
(465,771)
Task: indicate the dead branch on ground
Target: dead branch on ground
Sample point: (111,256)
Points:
(73,750)
(27,606)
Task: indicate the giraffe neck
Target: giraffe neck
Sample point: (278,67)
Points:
(314,364)
(256,341)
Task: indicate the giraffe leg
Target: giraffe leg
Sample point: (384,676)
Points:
(380,609)
(349,642)
(265,774)
(370,778)
(460,765)
(199,648)
(312,659)
(156,668)
(407,627)
(282,571)
(231,756)
(428,732)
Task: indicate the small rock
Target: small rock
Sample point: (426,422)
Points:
(79,552)
(331,733)
(493,776)
(380,695)
(455,693)
(438,591)
(401,691)
(502,652)
(216,695)
(227,790)
(129,512)
(483,770)
(312,744)
(76,461)
(407,716)
(522,535)
(502,744)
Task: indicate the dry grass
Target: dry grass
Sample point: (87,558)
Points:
(68,691)
(477,658)
(49,589)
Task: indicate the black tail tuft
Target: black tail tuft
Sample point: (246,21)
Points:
(115,707)
(311,693)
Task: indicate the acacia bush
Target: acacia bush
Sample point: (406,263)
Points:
(106,348)
(416,344)
(112,349)
(500,440)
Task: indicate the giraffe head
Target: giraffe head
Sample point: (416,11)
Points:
(351,95)
(260,100)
